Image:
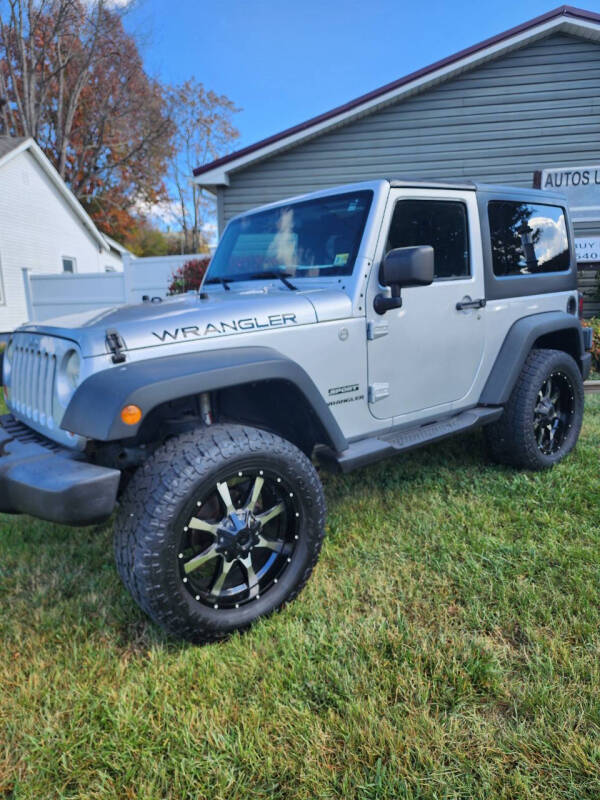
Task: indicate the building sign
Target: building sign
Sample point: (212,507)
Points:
(587,248)
(581,185)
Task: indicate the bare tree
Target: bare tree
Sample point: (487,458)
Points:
(203,131)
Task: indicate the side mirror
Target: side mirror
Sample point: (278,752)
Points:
(403,267)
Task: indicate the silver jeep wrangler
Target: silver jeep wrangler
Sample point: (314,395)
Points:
(337,328)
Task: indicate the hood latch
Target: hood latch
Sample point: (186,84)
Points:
(116,345)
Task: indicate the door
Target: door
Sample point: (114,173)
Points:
(424,357)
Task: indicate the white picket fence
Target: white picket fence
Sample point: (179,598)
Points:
(51,295)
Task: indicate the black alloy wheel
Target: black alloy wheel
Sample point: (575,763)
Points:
(554,412)
(542,418)
(240,538)
(219,527)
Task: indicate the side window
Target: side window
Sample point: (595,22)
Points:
(439,223)
(68,264)
(527,238)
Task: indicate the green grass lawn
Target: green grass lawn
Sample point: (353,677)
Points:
(447,646)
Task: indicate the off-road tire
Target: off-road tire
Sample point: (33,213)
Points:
(147,528)
(512,440)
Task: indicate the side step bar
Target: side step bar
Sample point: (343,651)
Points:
(366,451)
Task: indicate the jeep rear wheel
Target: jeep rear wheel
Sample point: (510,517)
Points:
(542,419)
(219,527)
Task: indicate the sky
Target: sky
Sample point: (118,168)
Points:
(283,61)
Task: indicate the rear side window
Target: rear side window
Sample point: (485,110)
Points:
(442,224)
(527,238)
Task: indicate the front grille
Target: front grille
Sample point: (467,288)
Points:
(33,372)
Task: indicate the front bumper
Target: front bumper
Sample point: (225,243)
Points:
(41,478)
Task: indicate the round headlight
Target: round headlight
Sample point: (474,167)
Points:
(73,369)
(67,377)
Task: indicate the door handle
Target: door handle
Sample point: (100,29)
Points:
(466,302)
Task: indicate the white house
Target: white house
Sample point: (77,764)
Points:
(43,228)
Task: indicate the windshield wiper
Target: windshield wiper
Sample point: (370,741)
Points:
(282,276)
(254,276)
(223,281)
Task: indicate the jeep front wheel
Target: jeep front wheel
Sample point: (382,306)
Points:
(219,527)
(543,416)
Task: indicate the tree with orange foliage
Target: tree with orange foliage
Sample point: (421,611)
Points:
(73,79)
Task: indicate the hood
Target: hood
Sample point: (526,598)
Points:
(196,317)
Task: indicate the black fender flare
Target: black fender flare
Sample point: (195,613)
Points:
(516,347)
(94,409)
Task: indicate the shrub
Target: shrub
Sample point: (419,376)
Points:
(594,323)
(189,275)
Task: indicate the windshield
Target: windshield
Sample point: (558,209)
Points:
(313,238)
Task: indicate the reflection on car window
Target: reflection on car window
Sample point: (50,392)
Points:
(311,238)
(527,238)
(442,224)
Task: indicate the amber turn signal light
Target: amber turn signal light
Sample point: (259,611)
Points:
(131,415)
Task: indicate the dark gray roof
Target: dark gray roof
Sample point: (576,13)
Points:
(568,12)
(8,143)
(431,184)
(523,192)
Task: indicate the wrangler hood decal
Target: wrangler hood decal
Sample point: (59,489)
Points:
(227,326)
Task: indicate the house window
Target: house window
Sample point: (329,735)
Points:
(439,223)
(69,264)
